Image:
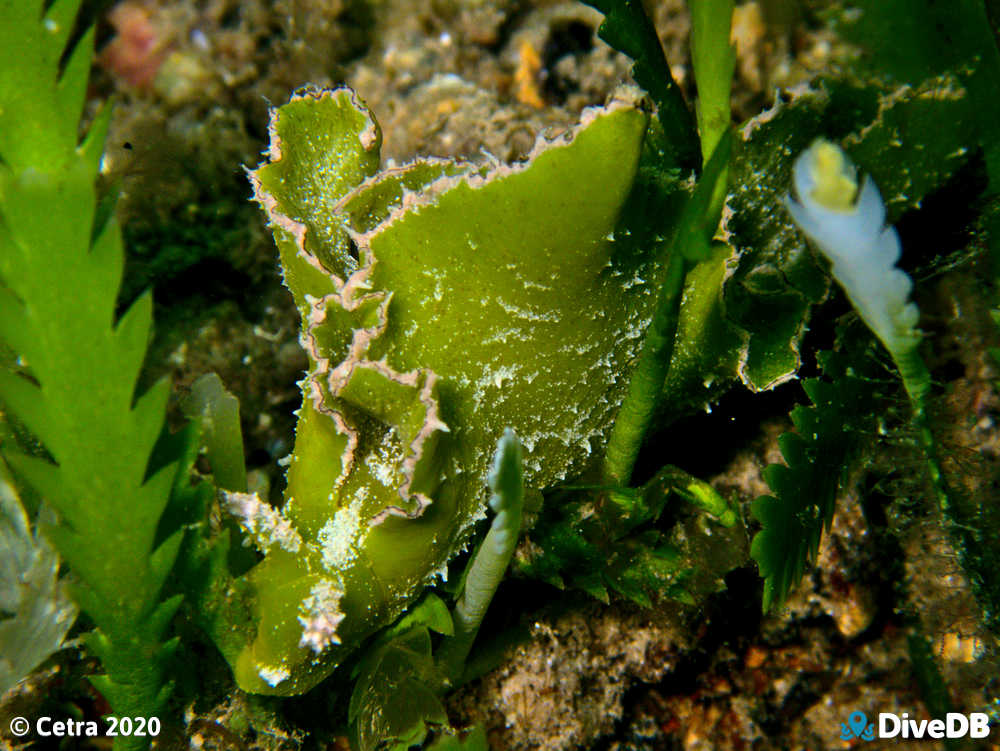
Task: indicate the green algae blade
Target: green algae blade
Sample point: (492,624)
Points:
(442,303)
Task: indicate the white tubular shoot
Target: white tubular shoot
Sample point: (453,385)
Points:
(848,226)
(488,566)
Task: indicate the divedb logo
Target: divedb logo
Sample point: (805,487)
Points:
(891,725)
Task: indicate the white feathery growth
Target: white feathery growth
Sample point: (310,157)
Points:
(320,615)
(848,226)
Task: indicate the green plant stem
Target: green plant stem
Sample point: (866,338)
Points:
(675,116)
(491,560)
(929,447)
(713,58)
(691,245)
(647,381)
(917,381)
(629,30)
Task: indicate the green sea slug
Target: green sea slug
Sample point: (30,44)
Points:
(442,302)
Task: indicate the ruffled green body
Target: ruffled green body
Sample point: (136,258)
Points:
(441,303)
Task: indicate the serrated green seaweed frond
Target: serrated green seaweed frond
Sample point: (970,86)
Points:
(818,458)
(75,389)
